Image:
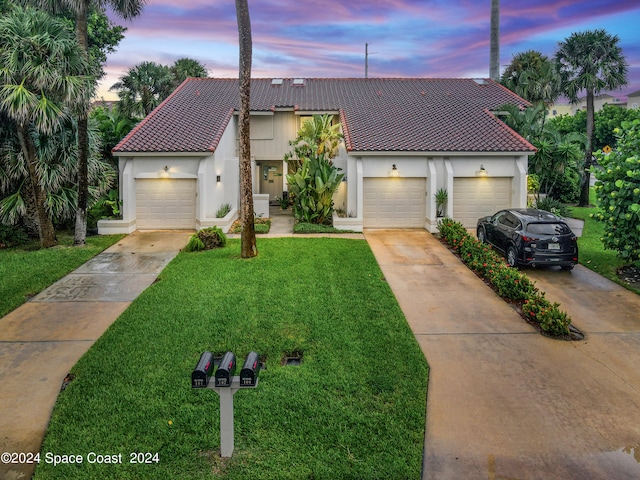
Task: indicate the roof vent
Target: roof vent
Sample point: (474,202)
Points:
(480,81)
(298,82)
(277,81)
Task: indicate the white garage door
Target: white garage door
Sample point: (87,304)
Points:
(166,204)
(394,202)
(477,197)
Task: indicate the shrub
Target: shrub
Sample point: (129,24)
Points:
(551,319)
(223,210)
(554,206)
(618,191)
(206,239)
(508,282)
(11,236)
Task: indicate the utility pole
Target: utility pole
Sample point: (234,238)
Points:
(366,60)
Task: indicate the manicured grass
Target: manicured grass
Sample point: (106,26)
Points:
(592,252)
(303,227)
(354,408)
(26,271)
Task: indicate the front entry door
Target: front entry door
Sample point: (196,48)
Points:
(271,179)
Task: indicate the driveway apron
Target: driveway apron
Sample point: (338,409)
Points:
(41,340)
(504,402)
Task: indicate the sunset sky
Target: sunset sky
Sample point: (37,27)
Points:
(326,38)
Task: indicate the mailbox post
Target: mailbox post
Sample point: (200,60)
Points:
(226,385)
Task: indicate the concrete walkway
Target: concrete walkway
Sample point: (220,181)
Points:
(41,340)
(505,402)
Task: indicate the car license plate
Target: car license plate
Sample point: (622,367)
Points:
(553,246)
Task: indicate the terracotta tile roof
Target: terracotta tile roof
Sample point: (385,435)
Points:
(410,114)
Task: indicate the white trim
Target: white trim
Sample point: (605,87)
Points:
(393,153)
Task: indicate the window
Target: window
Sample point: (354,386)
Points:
(548,229)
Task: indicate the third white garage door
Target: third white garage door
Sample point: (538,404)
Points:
(165,204)
(477,197)
(394,202)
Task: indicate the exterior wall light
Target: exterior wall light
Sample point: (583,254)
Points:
(482,172)
(218,179)
(394,172)
(164,173)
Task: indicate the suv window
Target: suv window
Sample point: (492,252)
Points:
(509,221)
(548,228)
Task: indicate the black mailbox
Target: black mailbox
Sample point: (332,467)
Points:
(202,373)
(250,369)
(224,374)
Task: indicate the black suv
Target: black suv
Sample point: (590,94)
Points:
(530,237)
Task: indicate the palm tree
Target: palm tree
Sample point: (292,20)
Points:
(593,61)
(534,77)
(143,88)
(126,9)
(184,68)
(248,246)
(38,83)
(494,49)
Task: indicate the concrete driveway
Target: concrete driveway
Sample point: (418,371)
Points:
(41,340)
(505,402)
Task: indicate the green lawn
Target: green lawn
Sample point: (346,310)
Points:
(26,271)
(354,408)
(592,253)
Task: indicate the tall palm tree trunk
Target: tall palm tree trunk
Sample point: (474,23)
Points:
(46,231)
(494,53)
(248,247)
(80,235)
(588,154)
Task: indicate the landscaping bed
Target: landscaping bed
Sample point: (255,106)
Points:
(508,283)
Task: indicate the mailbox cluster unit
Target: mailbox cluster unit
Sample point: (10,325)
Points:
(225,372)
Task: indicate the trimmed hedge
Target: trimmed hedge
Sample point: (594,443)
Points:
(508,282)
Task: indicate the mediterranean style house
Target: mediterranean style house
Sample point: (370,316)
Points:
(404,139)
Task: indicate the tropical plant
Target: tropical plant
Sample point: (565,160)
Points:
(618,191)
(555,155)
(248,247)
(39,84)
(528,122)
(441,197)
(184,68)
(534,77)
(223,210)
(56,155)
(82,9)
(592,61)
(206,239)
(317,136)
(143,88)
(312,187)
(113,127)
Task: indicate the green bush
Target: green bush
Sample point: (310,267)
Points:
(11,236)
(554,206)
(206,239)
(566,187)
(618,191)
(551,319)
(223,210)
(508,282)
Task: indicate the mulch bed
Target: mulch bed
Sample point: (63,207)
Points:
(516,305)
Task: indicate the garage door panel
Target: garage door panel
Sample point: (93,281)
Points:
(478,197)
(165,203)
(394,202)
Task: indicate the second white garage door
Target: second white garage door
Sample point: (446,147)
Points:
(477,197)
(394,202)
(166,204)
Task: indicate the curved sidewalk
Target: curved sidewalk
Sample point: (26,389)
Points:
(43,339)
(505,402)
